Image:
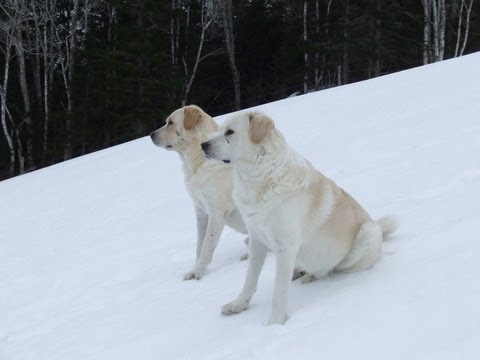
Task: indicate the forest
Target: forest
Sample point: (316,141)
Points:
(77,76)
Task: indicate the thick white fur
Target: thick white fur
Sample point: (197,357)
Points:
(208,182)
(292,209)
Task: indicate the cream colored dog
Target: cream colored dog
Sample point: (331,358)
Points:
(292,209)
(208,182)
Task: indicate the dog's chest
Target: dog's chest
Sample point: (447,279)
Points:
(260,219)
(256,207)
(210,187)
(198,191)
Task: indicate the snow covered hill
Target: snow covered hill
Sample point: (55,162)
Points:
(92,251)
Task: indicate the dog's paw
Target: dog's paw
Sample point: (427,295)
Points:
(244,257)
(189,275)
(278,319)
(234,307)
(199,272)
(307,278)
(196,274)
(297,274)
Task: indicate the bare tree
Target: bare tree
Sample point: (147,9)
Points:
(18,18)
(305,52)
(464,12)
(43,14)
(205,22)
(441,26)
(48,67)
(439,22)
(67,42)
(318,75)
(227,16)
(426,30)
(434,18)
(21,50)
(377,34)
(6,36)
(327,30)
(174,40)
(346,37)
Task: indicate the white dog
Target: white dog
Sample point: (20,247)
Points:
(292,209)
(208,182)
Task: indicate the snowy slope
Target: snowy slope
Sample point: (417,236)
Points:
(92,251)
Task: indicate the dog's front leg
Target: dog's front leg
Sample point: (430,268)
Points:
(285,263)
(256,258)
(216,222)
(202,223)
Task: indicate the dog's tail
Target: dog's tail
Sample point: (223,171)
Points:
(388,224)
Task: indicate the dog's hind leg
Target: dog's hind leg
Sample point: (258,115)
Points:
(366,250)
(307,278)
(297,274)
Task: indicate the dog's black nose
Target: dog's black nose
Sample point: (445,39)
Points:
(205,146)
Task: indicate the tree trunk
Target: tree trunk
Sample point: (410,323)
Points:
(318,75)
(205,24)
(173,47)
(72,45)
(327,29)
(439,23)
(426,31)
(230,45)
(3,110)
(346,35)
(435,29)
(441,28)
(36,77)
(107,136)
(20,156)
(46,88)
(24,89)
(305,52)
(377,68)
(467,28)
(459,27)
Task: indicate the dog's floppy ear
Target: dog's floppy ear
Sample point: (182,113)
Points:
(192,116)
(259,127)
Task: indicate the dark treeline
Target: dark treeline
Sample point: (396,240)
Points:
(81,75)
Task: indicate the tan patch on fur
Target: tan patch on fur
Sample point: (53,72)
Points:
(260,126)
(345,211)
(192,116)
(344,218)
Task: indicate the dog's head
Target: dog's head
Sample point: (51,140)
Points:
(240,139)
(184,127)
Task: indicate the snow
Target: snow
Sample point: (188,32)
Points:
(92,251)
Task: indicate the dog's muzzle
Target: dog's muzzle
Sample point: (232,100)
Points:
(205,146)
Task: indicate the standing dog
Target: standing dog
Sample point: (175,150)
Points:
(208,182)
(291,208)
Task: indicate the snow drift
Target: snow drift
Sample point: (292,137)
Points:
(92,251)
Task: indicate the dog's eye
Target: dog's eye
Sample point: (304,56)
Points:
(229,132)
(170,123)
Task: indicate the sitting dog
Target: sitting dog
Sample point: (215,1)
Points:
(292,209)
(208,182)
